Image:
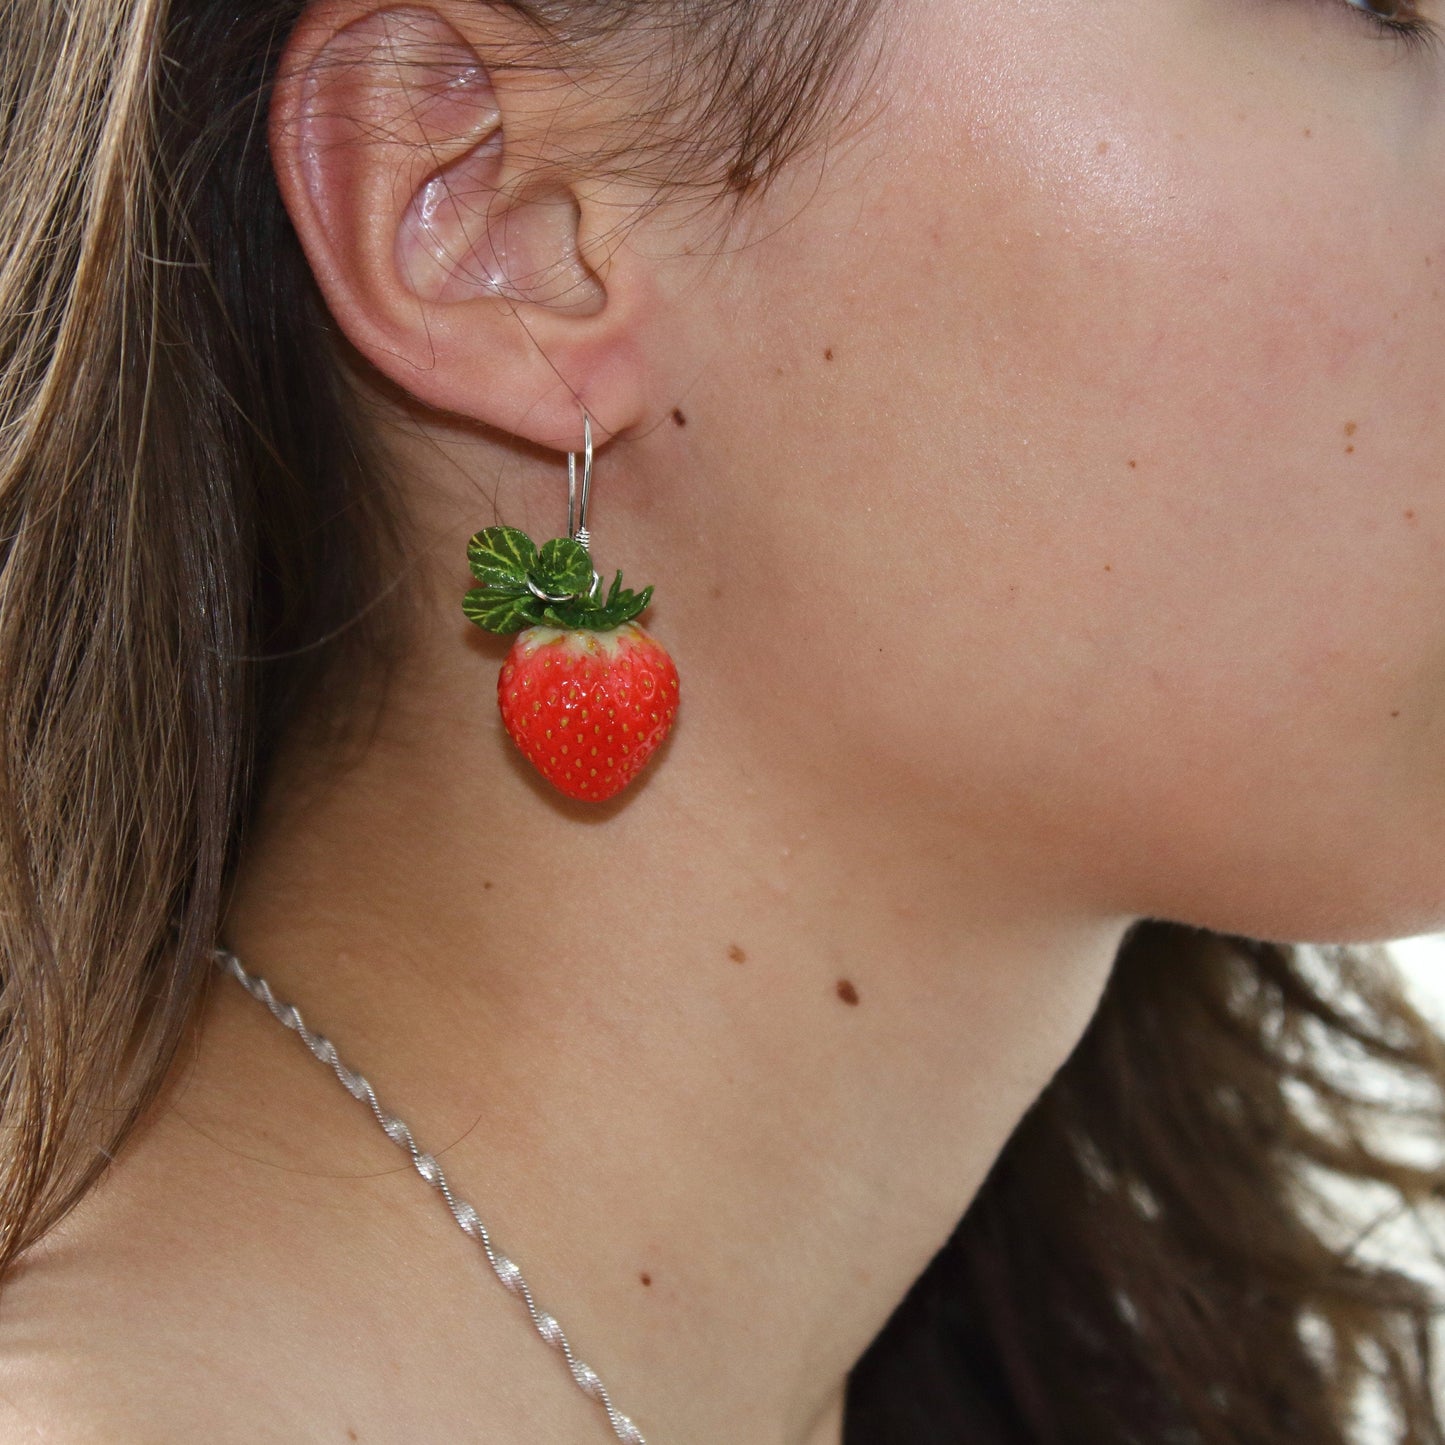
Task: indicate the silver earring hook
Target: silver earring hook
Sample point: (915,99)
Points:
(580,534)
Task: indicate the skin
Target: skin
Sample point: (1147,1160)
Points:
(1052,536)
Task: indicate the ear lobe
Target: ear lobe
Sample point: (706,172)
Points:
(445,245)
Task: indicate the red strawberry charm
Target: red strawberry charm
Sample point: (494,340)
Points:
(588,708)
(586,693)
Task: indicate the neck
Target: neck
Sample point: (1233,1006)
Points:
(725,1063)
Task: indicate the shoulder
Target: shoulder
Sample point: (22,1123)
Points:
(221,1282)
(63,1379)
(21,1422)
(134,1321)
(44,1402)
(94,1348)
(155,1310)
(83,1358)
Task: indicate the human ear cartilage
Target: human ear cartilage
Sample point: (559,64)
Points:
(586,693)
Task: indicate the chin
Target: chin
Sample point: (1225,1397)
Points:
(1360,901)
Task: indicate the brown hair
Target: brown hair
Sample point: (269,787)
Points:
(193,532)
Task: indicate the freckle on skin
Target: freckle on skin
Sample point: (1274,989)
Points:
(736,954)
(1132,462)
(1349,449)
(1103,147)
(647,1279)
(1396,713)
(1409,516)
(847,992)
(487,883)
(678,417)
(1307,132)
(1108,566)
(1350,428)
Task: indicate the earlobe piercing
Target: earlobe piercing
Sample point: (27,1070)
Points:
(586,693)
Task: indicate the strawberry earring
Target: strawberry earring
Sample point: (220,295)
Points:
(585,692)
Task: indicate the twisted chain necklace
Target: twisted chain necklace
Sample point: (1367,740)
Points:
(465,1215)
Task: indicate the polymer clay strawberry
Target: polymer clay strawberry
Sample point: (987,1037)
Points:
(586,693)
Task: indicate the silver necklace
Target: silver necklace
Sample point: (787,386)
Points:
(506,1271)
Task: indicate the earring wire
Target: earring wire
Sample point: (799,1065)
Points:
(580,534)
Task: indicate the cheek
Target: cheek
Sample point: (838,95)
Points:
(1166,468)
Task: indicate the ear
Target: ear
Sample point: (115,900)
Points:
(453,240)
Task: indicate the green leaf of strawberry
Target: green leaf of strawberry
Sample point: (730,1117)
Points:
(626,606)
(499,611)
(502,557)
(512,571)
(564,565)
